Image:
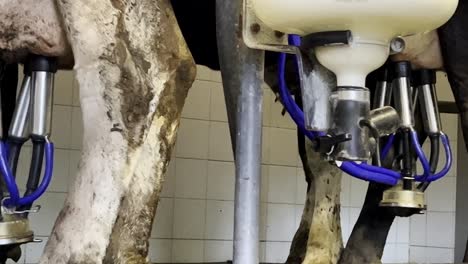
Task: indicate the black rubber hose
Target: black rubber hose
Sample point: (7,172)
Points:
(407,170)
(14,150)
(35,169)
(433,160)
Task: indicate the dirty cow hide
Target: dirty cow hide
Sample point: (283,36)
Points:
(321,213)
(134,71)
(32,26)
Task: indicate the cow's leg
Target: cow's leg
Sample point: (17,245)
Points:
(325,242)
(134,72)
(367,240)
(454,45)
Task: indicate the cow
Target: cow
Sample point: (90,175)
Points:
(134,69)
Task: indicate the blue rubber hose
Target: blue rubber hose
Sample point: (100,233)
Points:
(354,170)
(49,167)
(448,162)
(8,178)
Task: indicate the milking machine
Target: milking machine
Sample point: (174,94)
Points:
(348,40)
(31,121)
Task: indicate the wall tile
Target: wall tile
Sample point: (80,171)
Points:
(439,255)
(283,147)
(163,222)
(203,73)
(219,220)
(262,252)
(441,195)
(77,128)
(220,142)
(61,171)
(392,234)
(160,250)
(280,222)
(75,156)
(265,145)
(189,219)
(444,93)
(190,180)
(345,226)
(168,189)
(187,251)
(63,87)
(218,104)
(43,221)
(353,217)
(268,100)
(417,254)
(277,252)
(299,209)
(418,230)
(221,180)
(403,230)
(263,221)
(192,139)
(215,76)
(264,183)
(282,184)
(197,104)
(358,192)
(34,250)
(440,229)
(76,93)
(389,253)
(401,253)
(301,186)
(279,120)
(20,74)
(450,125)
(345,196)
(218,251)
(61,126)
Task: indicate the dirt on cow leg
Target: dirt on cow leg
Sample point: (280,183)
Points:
(324,242)
(134,71)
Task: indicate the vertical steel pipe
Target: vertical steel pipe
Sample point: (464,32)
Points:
(242,71)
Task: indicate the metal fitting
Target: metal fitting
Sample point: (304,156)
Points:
(42,86)
(402,93)
(20,123)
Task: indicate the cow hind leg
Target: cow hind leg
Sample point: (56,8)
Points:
(134,71)
(325,243)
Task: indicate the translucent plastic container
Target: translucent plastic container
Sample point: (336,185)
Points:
(376,19)
(373,24)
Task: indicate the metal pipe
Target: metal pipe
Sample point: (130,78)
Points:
(248,153)
(19,125)
(402,93)
(41,93)
(380,94)
(242,70)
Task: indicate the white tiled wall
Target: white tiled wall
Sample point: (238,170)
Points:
(194,222)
